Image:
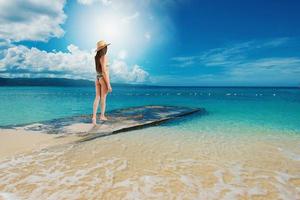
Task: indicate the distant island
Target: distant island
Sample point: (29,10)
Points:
(43,82)
(52,82)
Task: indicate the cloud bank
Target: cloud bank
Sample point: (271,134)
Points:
(21,61)
(31,20)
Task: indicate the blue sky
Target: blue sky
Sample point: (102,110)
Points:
(160,42)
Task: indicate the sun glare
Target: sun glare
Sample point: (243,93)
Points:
(126,31)
(109,26)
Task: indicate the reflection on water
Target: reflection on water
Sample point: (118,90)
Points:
(159,163)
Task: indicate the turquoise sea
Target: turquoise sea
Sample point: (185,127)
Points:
(229,110)
(246,146)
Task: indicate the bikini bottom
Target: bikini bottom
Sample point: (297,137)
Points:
(99,76)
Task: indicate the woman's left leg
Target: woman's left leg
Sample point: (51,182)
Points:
(103,98)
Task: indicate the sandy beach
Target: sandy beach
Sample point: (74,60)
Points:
(14,142)
(138,165)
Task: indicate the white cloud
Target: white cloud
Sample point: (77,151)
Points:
(86,2)
(275,62)
(243,63)
(229,55)
(31,19)
(269,69)
(183,61)
(21,61)
(122,73)
(131,17)
(90,2)
(4,43)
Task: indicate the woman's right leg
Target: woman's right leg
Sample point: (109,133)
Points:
(96,101)
(103,95)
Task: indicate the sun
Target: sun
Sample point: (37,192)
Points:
(111,28)
(128,32)
(107,25)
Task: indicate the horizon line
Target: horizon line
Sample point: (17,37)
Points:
(155,85)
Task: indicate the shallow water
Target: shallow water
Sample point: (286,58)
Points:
(246,147)
(263,108)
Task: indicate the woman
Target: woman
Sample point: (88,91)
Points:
(102,82)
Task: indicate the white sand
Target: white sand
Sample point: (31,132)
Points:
(154,163)
(13,142)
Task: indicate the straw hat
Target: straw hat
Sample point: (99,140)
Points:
(101,44)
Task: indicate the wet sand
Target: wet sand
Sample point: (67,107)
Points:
(153,163)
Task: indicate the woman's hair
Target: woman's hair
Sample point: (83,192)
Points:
(99,54)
